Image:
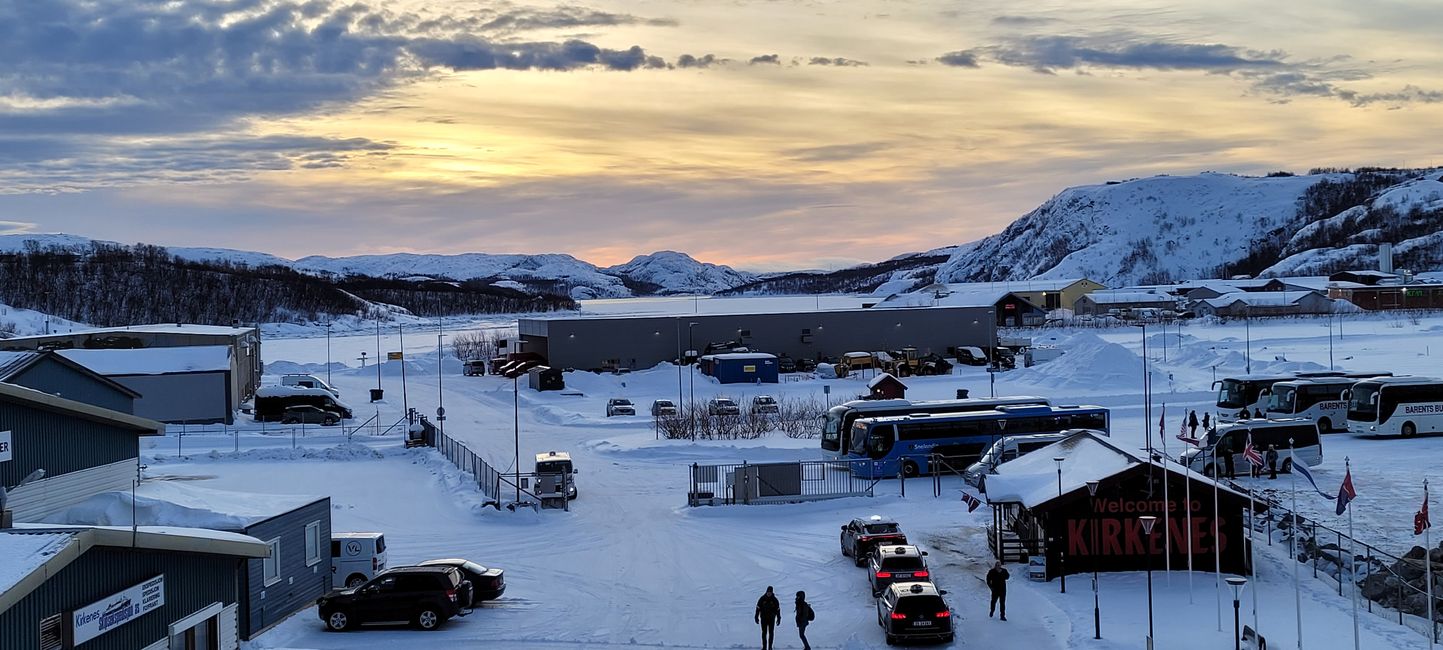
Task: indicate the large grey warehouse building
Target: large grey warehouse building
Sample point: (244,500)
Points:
(584,342)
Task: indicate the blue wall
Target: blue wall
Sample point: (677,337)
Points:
(735,371)
(55,378)
(300,584)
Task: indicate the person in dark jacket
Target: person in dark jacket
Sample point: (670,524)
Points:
(1272,460)
(1224,452)
(997,583)
(1192,423)
(804,617)
(768,615)
(1206,426)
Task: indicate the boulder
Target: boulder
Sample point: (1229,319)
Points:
(1415,553)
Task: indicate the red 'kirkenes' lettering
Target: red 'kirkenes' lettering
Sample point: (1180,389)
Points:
(1115,537)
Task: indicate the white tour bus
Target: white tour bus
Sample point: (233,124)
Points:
(1246,396)
(1294,433)
(1319,399)
(1401,406)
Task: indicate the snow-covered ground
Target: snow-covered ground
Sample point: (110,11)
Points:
(631,565)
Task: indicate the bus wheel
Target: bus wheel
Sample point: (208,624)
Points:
(1325,425)
(909,469)
(1288,466)
(1409,430)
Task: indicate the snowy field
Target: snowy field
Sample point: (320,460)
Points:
(631,565)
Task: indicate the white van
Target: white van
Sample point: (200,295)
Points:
(1297,434)
(356,558)
(1009,448)
(308,381)
(554,470)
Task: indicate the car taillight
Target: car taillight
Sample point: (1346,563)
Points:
(898,617)
(375,563)
(944,614)
(884,574)
(920,574)
(451,593)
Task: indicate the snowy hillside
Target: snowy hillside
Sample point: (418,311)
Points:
(547,273)
(677,273)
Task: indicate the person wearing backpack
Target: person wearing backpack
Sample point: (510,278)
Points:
(805,615)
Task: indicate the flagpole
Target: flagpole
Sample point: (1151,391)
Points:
(1428,562)
(1353,560)
(1187,497)
(1166,527)
(1217,551)
(1293,545)
(1253,559)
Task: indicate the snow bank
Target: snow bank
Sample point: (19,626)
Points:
(170,503)
(343,452)
(1092,364)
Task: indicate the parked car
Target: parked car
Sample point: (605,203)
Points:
(806,365)
(555,468)
(786,364)
(619,406)
(309,415)
(860,536)
(889,564)
(663,407)
(722,406)
(971,355)
(356,558)
(765,404)
(915,611)
(423,596)
(486,584)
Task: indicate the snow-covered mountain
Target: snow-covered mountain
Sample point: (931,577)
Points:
(671,272)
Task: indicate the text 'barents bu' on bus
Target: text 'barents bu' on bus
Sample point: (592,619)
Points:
(840,419)
(908,444)
(1246,396)
(1396,406)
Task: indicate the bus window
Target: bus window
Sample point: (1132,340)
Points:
(880,440)
(832,431)
(1233,394)
(1364,403)
(1283,399)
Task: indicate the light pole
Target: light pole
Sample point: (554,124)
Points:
(1248,338)
(691,384)
(328,352)
(405,399)
(1058,460)
(1096,601)
(1148,521)
(516,427)
(1061,551)
(679,356)
(1237,582)
(1330,342)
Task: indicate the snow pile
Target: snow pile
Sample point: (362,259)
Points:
(1092,363)
(170,503)
(349,451)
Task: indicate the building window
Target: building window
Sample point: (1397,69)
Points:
(271,565)
(313,543)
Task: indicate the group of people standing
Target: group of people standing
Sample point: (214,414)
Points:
(769,616)
(1224,451)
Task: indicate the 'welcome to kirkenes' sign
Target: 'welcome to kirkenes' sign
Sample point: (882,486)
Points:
(1114,528)
(107,614)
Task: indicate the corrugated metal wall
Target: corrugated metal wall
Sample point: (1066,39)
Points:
(35,500)
(300,584)
(60,443)
(195,397)
(56,379)
(192,582)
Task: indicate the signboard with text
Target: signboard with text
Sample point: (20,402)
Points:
(7,446)
(107,614)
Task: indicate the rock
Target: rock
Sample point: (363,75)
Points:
(1407,570)
(1375,587)
(1436,555)
(1415,553)
(1415,603)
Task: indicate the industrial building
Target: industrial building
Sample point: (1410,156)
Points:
(587,343)
(51,373)
(190,384)
(244,344)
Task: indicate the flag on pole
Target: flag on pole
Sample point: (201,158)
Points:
(1346,492)
(1420,519)
(1183,436)
(1302,470)
(1162,425)
(971,501)
(1250,453)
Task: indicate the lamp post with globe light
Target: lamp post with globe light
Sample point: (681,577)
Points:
(1237,582)
(1148,521)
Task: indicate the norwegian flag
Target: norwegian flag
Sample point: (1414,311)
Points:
(1250,453)
(1420,519)
(971,501)
(1346,493)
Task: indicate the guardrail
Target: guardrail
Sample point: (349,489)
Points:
(765,483)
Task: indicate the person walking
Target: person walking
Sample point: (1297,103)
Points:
(1205,425)
(1272,460)
(768,615)
(805,615)
(1192,424)
(997,583)
(1224,452)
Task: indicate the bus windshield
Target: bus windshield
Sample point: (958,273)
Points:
(1234,394)
(859,439)
(1284,399)
(832,430)
(1363,406)
(880,440)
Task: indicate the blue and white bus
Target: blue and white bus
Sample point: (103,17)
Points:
(888,446)
(837,425)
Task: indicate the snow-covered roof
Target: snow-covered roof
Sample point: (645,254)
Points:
(1031,480)
(21,554)
(13,362)
(1319,283)
(157,328)
(1118,297)
(172,503)
(876,381)
(153,361)
(1259,298)
(944,296)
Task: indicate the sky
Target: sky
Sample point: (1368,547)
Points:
(763,134)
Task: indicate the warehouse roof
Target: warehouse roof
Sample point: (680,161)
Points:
(153,361)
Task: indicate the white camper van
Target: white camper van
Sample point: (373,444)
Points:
(308,381)
(356,558)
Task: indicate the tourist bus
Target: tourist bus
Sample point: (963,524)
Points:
(1319,399)
(904,444)
(1246,396)
(837,425)
(1402,406)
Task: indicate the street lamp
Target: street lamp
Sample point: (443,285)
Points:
(1248,338)
(328,352)
(1237,582)
(1058,460)
(1096,602)
(1148,521)
(1061,551)
(691,384)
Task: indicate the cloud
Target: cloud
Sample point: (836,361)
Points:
(704,61)
(1021,21)
(960,58)
(766,59)
(837,152)
(836,61)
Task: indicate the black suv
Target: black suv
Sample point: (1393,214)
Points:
(425,596)
(860,536)
(890,564)
(915,611)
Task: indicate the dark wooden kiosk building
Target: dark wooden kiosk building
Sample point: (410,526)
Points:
(1045,507)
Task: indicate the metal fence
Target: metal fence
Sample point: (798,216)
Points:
(765,483)
(492,483)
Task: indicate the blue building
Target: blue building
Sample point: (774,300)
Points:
(51,373)
(740,367)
